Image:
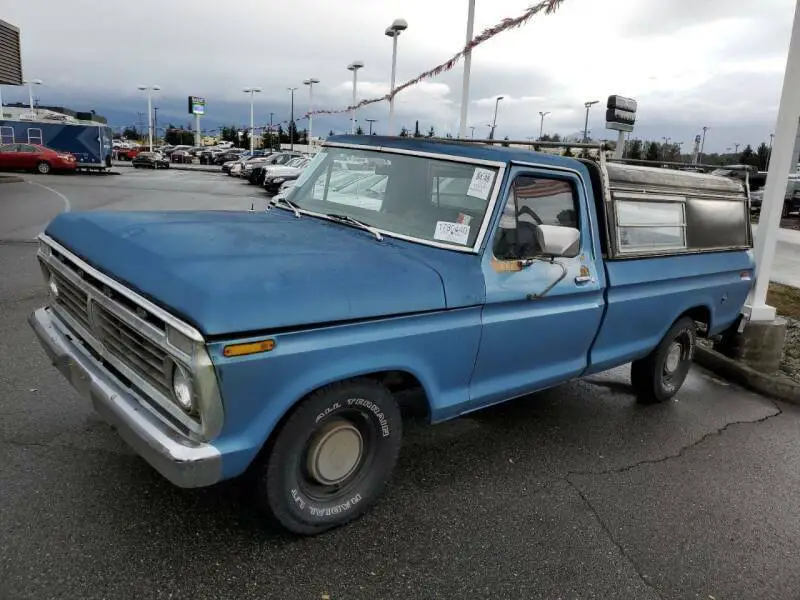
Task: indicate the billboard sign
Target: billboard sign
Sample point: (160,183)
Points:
(197,105)
(10,57)
(621,113)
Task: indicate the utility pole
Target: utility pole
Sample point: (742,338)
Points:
(462,128)
(769,152)
(472,131)
(141,122)
(371,121)
(291,123)
(270,131)
(588,106)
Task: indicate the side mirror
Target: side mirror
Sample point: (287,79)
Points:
(556,241)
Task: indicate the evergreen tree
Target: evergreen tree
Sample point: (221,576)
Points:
(359,130)
(556,138)
(431,132)
(653,152)
(748,157)
(130,133)
(282,137)
(568,152)
(762,155)
(330,133)
(416,130)
(404,132)
(635,150)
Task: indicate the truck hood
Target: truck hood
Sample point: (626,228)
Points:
(232,272)
(280,171)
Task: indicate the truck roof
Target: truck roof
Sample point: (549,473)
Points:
(491,152)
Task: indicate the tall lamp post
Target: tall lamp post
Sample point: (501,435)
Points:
(252,91)
(588,106)
(354,67)
(462,129)
(494,119)
(310,83)
(30,83)
(542,115)
(703,143)
(393,31)
(291,121)
(150,89)
(371,121)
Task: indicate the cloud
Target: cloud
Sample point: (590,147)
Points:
(688,62)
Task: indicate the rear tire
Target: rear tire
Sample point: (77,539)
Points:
(660,375)
(43,167)
(332,458)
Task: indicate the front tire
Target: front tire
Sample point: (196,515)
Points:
(332,458)
(43,167)
(660,375)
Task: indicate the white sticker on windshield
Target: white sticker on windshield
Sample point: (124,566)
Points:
(457,233)
(481,183)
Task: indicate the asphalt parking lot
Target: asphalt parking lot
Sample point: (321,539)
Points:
(577,492)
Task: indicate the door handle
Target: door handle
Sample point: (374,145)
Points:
(581,279)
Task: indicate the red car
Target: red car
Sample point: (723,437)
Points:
(33,157)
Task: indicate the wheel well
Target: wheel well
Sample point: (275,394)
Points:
(407,390)
(702,316)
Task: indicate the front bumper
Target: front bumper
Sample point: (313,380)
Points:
(273,188)
(185,463)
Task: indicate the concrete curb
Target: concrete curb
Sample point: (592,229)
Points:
(769,385)
(11,179)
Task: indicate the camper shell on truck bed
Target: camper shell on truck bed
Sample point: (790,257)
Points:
(283,341)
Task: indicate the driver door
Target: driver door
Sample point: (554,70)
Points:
(541,316)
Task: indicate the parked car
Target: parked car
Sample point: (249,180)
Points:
(791,199)
(181,157)
(33,157)
(150,160)
(170,149)
(227,156)
(282,342)
(276,175)
(256,176)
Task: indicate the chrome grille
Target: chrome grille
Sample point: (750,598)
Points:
(148,360)
(71,298)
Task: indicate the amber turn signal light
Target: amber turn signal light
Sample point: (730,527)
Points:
(248,348)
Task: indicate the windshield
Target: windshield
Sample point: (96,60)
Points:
(295,162)
(427,199)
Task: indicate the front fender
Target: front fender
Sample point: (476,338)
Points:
(258,390)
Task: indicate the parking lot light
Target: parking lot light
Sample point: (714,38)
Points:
(393,31)
(354,67)
(30,83)
(310,83)
(150,89)
(252,91)
(291,120)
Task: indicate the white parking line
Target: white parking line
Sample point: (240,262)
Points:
(67,205)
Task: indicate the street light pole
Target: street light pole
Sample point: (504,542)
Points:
(310,83)
(462,129)
(542,115)
(588,106)
(769,152)
(703,143)
(150,89)
(371,121)
(354,67)
(736,146)
(291,121)
(774,191)
(252,91)
(494,119)
(30,84)
(393,31)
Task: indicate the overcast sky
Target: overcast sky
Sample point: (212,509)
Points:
(689,63)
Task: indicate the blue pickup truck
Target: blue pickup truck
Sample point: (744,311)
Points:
(280,342)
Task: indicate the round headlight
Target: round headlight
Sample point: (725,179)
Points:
(182,388)
(53,287)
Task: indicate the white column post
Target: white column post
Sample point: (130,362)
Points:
(353,114)
(619,152)
(391,86)
(252,100)
(774,191)
(462,129)
(197,134)
(150,117)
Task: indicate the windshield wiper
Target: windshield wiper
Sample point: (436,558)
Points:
(293,206)
(356,223)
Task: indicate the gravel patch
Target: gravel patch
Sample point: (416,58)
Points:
(790,365)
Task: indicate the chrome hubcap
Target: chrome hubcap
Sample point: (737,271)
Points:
(673,358)
(335,452)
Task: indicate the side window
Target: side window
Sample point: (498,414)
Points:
(8,148)
(533,201)
(650,225)
(28,148)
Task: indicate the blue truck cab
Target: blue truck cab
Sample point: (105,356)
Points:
(281,341)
